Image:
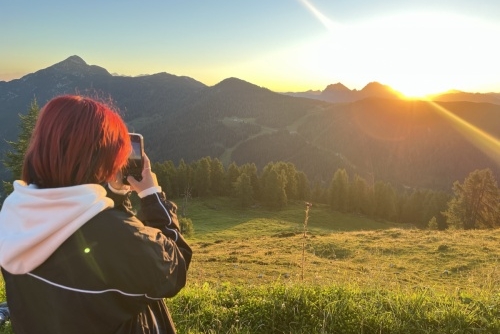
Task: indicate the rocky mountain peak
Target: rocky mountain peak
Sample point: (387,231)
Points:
(338,87)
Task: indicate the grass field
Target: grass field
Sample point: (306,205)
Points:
(259,247)
(253,271)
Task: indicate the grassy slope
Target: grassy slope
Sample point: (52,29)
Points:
(257,246)
(360,275)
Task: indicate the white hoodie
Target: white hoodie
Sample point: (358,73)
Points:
(35,222)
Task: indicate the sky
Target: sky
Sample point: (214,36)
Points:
(416,47)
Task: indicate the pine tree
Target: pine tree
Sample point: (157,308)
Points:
(217,175)
(166,174)
(339,191)
(201,177)
(243,190)
(433,224)
(476,202)
(303,188)
(385,201)
(14,158)
(287,169)
(274,189)
(359,195)
(232,174)
(184,179)
(251,170)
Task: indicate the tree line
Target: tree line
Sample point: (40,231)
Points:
(475,203)
(280,182)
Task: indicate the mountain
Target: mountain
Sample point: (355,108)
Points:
(371,132)
(136,96)
(338,93)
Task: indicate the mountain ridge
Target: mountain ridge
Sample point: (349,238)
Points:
(338,93)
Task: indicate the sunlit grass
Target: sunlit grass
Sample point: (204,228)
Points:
(292,308)
(342,249)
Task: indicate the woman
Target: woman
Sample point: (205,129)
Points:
(74,258)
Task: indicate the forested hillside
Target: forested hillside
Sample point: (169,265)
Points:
(407,143)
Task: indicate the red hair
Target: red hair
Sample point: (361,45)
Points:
(76,140)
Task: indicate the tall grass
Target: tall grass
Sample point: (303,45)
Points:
(279,308)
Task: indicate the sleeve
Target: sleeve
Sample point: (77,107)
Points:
(160,263)
(168,250)
(156,211)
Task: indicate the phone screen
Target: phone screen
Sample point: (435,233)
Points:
(136,156)
(135,160)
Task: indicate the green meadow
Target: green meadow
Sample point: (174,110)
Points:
(261,271)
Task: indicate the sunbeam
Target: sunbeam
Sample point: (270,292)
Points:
(327,22)
(482,140)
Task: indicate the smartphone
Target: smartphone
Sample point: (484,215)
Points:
(135,162)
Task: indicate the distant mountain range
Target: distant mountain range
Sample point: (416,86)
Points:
(371,132)
(338,93)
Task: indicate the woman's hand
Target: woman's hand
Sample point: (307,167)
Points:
(148,178)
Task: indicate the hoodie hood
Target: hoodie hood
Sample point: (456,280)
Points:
(35,222)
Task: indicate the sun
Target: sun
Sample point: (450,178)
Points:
(414,89)
(421,81)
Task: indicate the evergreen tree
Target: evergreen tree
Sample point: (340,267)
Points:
(359,195)
(201,177)
(287,169)
(14,158)
(217,177)
(265,172)
(433,224)
(384,201)
(161,174)
(303,188)
(476,202)
(274,189)
(166,174)
(232,174)
(251,170)
(339,191)
(243,190)
(173,186)
(264,175)
(184,179)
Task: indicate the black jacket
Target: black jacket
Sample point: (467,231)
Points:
(110,276)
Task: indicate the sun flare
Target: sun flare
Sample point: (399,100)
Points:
(416,53)
(413,89)
(412,92)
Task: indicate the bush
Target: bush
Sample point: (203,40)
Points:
(433,224)
(186,225)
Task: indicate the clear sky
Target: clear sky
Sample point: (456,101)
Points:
(416,47)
